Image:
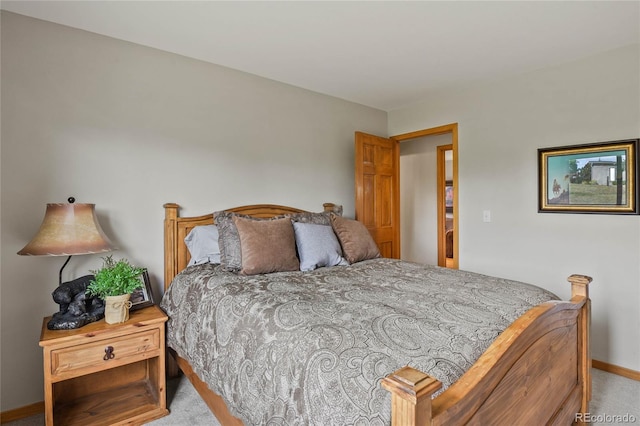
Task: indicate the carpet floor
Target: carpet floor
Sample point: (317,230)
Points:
(612,396)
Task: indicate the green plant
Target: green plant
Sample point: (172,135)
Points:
(116,277)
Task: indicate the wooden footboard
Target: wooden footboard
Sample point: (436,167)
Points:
(538,371)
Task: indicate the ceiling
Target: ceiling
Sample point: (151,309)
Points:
(384,54)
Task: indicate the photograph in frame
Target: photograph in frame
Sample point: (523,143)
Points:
(142,297)
(593,178)
(448,196)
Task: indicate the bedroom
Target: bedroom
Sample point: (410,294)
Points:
(96,118)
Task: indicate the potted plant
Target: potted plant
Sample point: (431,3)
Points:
(114,283)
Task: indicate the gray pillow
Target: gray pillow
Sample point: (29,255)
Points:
(229,241)
(317,246)
(202,242)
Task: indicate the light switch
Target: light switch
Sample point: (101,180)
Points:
(486,215)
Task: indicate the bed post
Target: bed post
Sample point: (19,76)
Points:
(329,207)
(411,392)
(170,235)
(170,266)
(579,291)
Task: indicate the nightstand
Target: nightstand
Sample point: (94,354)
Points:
(106,374)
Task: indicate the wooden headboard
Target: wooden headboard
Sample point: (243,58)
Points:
(176,228)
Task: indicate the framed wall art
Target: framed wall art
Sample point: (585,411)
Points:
(142,297)
(448,196)
(593,178)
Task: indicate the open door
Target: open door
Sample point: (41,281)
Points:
(378,190)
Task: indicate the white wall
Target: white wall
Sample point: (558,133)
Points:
(419,197)
(129,128)
(501,126)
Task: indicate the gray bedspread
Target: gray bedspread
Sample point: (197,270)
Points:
(311,347)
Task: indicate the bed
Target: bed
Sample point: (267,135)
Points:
(318,360)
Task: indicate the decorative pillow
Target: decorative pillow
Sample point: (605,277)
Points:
(317,246)
(266,245)
(355,239)
(202,242)
(322,218)
(229,240)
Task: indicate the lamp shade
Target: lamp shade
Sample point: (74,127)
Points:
(68,229)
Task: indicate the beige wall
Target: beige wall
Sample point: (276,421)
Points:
(501,126)
(129,128)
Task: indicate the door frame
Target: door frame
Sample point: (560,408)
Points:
(433,131)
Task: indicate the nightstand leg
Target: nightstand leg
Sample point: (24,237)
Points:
(48,390)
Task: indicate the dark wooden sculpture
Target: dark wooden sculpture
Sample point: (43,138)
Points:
(76,308)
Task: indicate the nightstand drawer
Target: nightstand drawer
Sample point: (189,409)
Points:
(103,354)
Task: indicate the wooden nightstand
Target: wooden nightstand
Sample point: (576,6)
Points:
(106,374)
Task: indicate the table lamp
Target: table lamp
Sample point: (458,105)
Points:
(67,230)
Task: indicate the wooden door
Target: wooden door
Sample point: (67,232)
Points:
(378,190)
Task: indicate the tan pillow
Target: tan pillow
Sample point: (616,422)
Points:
(355,239)
(266,246)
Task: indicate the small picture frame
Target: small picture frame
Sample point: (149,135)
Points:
(142,297)
(593,178)
(448,196)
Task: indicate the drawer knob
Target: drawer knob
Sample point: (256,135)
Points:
(108,353)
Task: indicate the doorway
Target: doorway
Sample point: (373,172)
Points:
(447,183)
(446,191)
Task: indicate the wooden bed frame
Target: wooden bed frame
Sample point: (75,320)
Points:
(538,371)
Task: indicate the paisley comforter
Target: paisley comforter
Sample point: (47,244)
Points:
(311,347)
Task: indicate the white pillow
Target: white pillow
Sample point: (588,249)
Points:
(317,246)
(202,243)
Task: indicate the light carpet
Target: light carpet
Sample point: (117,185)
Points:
(615,400)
